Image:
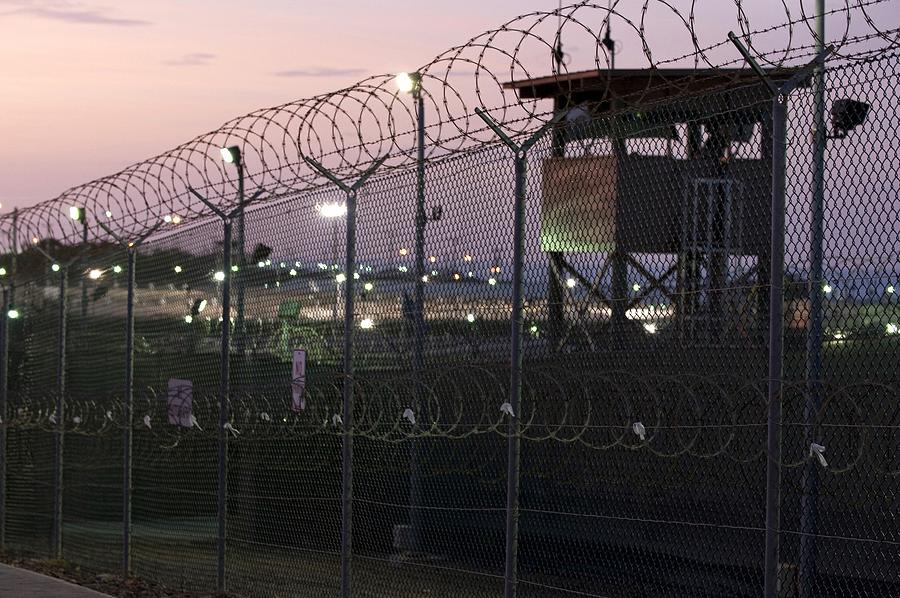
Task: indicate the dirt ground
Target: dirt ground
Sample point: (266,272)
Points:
(107,583)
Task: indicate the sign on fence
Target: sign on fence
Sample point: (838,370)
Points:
(179,402)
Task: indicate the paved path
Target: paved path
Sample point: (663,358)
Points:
(20,583)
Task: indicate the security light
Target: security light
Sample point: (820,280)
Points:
(95,274)
(198,306)
(847,114)
(331,210)
(367,324)
(219,276)
(409,82)
(260,253)
(231,154)
(13,314)
(76,213)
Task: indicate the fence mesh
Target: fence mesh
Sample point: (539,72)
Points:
(637,453)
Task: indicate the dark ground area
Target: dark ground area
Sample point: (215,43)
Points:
(114,585)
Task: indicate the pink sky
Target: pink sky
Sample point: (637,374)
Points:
(90,87)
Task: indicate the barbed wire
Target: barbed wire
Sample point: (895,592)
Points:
(351,127)
(675,416)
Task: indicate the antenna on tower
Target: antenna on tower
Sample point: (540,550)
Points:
(607,40)
(558,55)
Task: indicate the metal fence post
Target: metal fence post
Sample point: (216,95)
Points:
(128,418)
(513,447)
(347,390)
(415,482)
(131,251)
(776,353)
(347,406)
(809,500)
(515,386)
(224,378)
(780,97)
(59,433)
(4,385)
(224,391)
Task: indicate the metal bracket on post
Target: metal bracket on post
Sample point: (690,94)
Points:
(515,392)
(131,250)
(780,96)
(224,380)
(347,409)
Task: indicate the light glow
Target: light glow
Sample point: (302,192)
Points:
(367,324)
(219,276)
(406,82)
(331,210)
(95,274)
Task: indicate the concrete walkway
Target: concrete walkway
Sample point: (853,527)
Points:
(20,583)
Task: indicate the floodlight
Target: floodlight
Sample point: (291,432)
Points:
(188,319)
(219,276)
(231,154)
(76,213)
(847,114)
(368,286)
(260,253)
(198,306)
(470,317)
(13,314)
(2,271)
(891,329)
(889,289)
(571,282)
(331,210)
(117,269)
(827,288)
(650,327)
(367,324)
(409,82)
(492,281)
(95,274)
(55,267)
(108,214)
(177,269)
(340,277)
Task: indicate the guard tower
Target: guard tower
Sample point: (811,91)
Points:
(650,168)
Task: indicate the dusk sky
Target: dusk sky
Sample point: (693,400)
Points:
(91,87)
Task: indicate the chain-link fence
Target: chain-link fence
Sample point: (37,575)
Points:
(643,344)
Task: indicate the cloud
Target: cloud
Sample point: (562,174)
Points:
(195,59)
(322,71)
(68,12)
